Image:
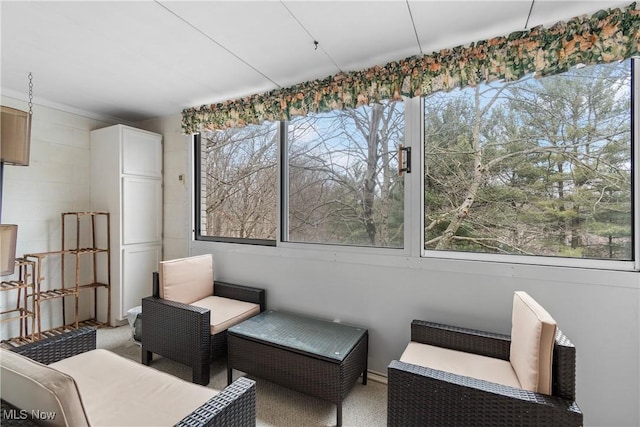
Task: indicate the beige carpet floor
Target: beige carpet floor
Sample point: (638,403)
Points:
(365,406)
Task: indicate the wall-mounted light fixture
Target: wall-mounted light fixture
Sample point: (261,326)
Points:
(16,133)
(8,239)
(16,137)
(15,143)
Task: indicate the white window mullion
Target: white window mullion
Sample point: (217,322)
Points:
(283,186)
(635,64)
(413,182)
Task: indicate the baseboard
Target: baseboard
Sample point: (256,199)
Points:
(377,377)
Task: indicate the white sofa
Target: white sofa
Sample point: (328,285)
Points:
(78,385)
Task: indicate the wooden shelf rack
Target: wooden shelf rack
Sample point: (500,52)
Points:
(25,308)
(72,257)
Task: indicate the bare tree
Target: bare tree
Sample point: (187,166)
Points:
(346,158)
(239,182)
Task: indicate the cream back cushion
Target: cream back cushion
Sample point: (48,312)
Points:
(186,280)
(40,389)
(533,332)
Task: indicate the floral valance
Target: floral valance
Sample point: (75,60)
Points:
(607,36)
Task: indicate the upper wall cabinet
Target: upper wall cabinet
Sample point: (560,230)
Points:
(126,180)
(140,154)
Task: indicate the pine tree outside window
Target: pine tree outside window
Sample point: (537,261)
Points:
(534,167)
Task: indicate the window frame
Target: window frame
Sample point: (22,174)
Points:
(410,242)
(552,261)
(285,199)
(197,197)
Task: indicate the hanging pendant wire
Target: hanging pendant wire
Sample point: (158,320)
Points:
(526,24)
(30,94)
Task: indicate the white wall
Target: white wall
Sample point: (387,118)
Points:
(35,196)
(176,195)
(598,310)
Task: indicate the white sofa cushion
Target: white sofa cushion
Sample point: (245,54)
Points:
(533,332)
(32,386)
(120,392)
(457,362)
(226,312)
(186,280)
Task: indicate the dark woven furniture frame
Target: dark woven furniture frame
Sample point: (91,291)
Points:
(419,396)
(182,332)
(326,379)
(233,406)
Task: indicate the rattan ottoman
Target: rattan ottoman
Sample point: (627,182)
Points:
(317,357)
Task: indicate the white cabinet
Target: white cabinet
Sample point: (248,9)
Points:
(126,180)
(139,223)
(138,262)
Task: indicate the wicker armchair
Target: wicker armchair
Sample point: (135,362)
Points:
(422,396)
(233,406)
(183,331)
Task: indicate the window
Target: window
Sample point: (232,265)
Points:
(343,181)
(534,167)
(538,171)
(238,184)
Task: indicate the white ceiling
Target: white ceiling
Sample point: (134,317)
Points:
(135,60)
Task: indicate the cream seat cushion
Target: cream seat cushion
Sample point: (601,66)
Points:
(226,312)
(190,281)
(461,363)
(32,386)
(186,280)
(120,392)
(533,333)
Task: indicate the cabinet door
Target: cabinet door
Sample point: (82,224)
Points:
(141,153)
(138,264)
(141,210)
